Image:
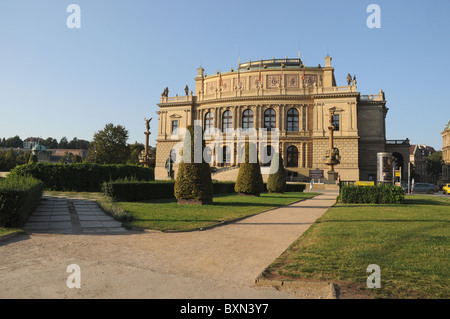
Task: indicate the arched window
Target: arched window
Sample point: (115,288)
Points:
(292,156)
(269,119)
(209,123)
(292,120)
(226,153)
(247,120)
(207,155)
(227,121)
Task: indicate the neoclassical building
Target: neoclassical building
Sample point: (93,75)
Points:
(446,153)
(286,98)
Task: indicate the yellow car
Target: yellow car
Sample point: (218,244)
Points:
(446,189)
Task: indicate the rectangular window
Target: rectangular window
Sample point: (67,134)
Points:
(335,122)
(174,127)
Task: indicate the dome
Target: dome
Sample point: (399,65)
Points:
(39,147)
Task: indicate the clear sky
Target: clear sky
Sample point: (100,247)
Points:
(56,81)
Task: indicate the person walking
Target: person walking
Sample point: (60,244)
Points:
(310,185)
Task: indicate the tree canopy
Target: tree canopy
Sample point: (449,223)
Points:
(109,146)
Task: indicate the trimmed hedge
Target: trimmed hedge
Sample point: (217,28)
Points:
(276,183)
(297,188)
(380,194)
(193,180)
(81,177)
(131,191)
(19,196)
(249,180)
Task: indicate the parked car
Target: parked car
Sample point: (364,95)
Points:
(425,188)
(446,189)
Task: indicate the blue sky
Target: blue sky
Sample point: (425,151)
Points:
(56,81)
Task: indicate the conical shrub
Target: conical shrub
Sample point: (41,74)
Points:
(193,184)
(249,180)
(276,183)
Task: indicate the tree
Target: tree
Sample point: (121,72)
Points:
(109,146)
(276,182)
(77,159)
(23,158)
(63,143)
(14,142)
(434,163)
(249,180)
(10,160)
(193,184)
(33,159)
(135,150)
(50,143)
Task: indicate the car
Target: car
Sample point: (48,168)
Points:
(424,188)
(446,189)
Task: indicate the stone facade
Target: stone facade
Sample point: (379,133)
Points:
(418,159)
(446,153)
(292,99)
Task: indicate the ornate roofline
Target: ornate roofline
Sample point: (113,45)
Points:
(268,98)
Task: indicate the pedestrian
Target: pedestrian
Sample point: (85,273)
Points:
(310,185)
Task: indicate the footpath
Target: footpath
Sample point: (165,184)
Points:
(222,262)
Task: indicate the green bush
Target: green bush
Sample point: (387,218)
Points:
(19,196)
(297,188)
(193,180)
(380,194)
(276,183)
(131,191)
(81,177)
(223,187)
(249,180)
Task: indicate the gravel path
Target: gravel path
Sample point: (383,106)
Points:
(222,262)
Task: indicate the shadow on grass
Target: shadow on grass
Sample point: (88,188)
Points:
(383,220)
(426,201)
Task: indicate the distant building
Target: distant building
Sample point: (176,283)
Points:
(284,96)
(31,142)
(446,153)
(418,158)
(41,152)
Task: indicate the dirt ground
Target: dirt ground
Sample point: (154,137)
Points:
(222,262)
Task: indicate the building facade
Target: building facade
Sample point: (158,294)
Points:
(418,160)
(286,98)
(446,153)
(31,142)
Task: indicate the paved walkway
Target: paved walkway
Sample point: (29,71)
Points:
(222,262)
(70,216)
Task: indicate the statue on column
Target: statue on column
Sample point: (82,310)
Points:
(146,157)
(332,156)
(349,79)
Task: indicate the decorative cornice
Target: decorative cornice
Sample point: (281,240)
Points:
(263,98)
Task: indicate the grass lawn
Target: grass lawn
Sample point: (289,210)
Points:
(410,243)
(167,215)
(5,231)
